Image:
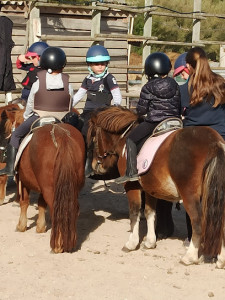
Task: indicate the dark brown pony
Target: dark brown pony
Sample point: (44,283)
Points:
(189,165)
(53,165)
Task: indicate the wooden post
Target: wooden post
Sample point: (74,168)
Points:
(222,56)
(147,33)
(196,22)
(34,25)
(130,31)
(95,22)
(8,97)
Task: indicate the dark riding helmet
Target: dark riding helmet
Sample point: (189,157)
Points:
(36,49)
(53,58)
(97,53)
(157,63)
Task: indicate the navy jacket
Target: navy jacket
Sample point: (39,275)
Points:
(159,99)
(204,114)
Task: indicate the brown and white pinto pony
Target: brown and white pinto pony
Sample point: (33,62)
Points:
(189,165)
(53,165)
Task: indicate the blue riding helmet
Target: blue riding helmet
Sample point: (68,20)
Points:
(180,65)
(97,53)
(36,49)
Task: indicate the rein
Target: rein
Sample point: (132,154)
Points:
(109,153)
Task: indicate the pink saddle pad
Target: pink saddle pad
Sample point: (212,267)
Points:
(148,151)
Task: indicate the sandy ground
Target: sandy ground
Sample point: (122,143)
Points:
(99,269)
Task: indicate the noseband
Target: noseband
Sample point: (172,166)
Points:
(108,153)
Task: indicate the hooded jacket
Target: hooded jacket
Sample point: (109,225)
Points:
(159,99)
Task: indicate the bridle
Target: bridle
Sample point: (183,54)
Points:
(98,137)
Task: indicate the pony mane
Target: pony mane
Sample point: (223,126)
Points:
(114,119)
(14,118)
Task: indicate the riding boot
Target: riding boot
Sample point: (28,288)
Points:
(88,165)
(131,170)
(10,160)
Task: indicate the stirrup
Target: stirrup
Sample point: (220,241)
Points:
(126,178)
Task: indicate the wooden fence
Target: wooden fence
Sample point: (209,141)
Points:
(76,27)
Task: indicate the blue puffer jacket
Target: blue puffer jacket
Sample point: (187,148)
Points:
(160,99)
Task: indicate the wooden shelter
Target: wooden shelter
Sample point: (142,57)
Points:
(74,29)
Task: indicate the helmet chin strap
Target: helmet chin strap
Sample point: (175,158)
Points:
(97,75)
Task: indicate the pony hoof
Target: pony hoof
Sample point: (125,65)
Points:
(41,230)
(187,261)
(220,264)
(148,245)
(21,229)
(127,250)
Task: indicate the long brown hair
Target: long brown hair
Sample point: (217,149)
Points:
(203,83)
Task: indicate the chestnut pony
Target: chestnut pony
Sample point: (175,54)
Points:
(7,112)
(189,165)
(53,165)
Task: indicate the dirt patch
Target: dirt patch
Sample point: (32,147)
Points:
(99,269)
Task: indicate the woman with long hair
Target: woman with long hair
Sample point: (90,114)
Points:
(207,93)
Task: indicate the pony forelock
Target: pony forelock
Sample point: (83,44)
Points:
(115,119)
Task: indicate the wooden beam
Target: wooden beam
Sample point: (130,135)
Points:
(95,22)
(45,37)
(128,37)
(176,43)
(212,42)
(68,6)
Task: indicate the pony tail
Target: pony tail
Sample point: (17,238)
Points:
(213,204)
(68,181)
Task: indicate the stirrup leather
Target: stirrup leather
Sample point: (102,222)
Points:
(167,125)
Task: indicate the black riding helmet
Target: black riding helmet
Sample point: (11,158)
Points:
(157,63)
(53,58)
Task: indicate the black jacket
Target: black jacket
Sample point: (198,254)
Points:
(6,44)
(160,99)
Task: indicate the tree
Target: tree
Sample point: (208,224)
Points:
(180,29)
